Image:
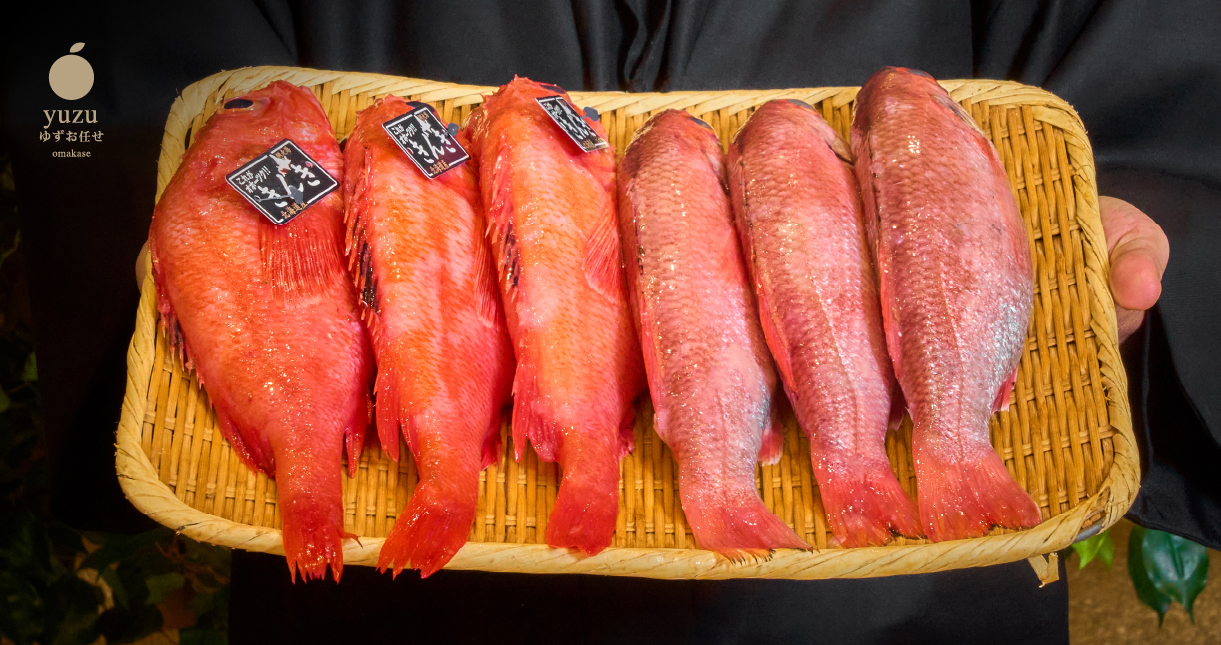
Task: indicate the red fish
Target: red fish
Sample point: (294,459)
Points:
(551,220)
(267,315)
(957,292)
(798,212)
(713,385)
(444,362)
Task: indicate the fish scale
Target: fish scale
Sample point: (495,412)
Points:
(713,385)
(957,292)
(445,364)
(798,212)
(267,317)
(551,227)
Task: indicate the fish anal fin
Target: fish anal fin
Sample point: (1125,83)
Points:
(387,411)
(529,424)
(259,458)
(491,444)
(603,259)
(898,406)
(1005,393)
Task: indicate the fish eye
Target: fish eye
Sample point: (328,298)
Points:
(923,73)
(238,104)
(554,88)
(701,122)
(801,103)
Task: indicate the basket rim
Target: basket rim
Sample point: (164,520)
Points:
(142,486)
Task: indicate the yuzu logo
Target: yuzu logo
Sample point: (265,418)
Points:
(71,76)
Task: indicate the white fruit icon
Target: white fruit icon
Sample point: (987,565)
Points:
(72,76)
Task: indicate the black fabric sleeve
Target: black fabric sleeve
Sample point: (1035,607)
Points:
(1146,80)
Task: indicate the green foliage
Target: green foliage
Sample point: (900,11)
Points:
(1177,567)
(1100,546)
(57,586)
(1166,569)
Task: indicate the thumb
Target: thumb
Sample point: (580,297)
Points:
(1139,252)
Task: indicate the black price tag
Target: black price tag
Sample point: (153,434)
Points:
(427,141)
(282,182)
(571,123)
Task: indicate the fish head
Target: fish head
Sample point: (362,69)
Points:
(913,88)
(682,136)
(765,127)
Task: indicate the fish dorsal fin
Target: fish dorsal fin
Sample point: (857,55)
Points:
(302,257)
(603,260)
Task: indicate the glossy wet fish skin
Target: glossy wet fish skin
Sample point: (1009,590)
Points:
(798,212)
(417,250)
(956,288)
(266,315)
(551,227)
(712,382)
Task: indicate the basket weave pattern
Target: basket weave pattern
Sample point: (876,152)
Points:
(1066,439)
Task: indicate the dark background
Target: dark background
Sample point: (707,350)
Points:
(1145,77)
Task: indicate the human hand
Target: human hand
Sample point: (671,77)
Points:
(1139,252)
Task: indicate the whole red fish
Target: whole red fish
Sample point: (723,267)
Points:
(267,315)
(798,211)
(957,292)
(444,361)
(712,382)
(551,221)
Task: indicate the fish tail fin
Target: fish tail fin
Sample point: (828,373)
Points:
(427,534)
(738,527)
(312,523)
(966,496)
(865,503)
(587,504)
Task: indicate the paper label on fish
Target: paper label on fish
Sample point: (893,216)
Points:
(425,140)
(572,123)
(282,182)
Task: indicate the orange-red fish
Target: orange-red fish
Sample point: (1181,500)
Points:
(798,211)
(713,384)
(267,315)
(551,219)
(957,292)
(444,362)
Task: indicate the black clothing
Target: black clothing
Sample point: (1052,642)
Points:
(1145,78)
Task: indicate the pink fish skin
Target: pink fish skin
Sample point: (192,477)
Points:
(551,221)
(267,316)
(713,385)
(957,292)
(798,211)
(444,361)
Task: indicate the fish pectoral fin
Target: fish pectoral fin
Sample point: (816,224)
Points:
(487,297)
(603,259)
(298,256)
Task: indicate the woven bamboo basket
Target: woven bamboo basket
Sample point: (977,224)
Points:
(1067,438)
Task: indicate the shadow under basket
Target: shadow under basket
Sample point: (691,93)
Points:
(1067,438)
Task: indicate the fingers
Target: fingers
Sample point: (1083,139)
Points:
(141,260)
(1139,252)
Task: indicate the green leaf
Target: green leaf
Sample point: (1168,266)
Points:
(120,548)
(5,402)
(160,586)
(201,636)
(1145,591)
(117,590)
(1176,566)
(1100,546)
(30,371)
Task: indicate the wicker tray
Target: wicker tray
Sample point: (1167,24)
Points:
(1067,438)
